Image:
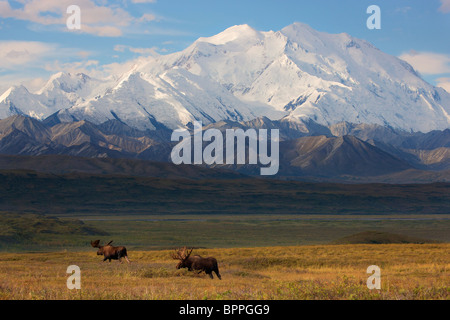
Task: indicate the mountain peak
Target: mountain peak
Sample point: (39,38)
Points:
(68,82)
(240,27)
(298,27)
(14,91)
(233,33)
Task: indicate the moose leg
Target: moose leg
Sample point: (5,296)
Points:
(119,257)
(126,258)
(210,275)
(216,270)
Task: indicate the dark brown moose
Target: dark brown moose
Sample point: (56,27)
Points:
(110,252)
(196,262)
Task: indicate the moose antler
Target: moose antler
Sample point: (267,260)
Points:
(180,254)
(187,256)
(95,243)
(176,255)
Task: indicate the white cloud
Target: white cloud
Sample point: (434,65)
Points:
(445,6)
(83,53)
(100,20)
(118,68)
(147,17)
(21,53)
(444,83)
(428,62)
(34,84)
(143,51)
(403,10)
(85,66)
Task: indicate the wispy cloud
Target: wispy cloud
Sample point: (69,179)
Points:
(19,55)
(116,69)
(84,66)
(431,64)
(15,54)
(101,20)
(147,17)
(445,6)
(428,62)
(403,10)
(444,83)
(142,51)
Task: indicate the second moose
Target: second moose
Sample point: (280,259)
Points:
(196,262)
(110,252)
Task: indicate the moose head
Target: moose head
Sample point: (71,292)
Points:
(183,256)
(96,244)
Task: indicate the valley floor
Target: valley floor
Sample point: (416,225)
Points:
(408,271)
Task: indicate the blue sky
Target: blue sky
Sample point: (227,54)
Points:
(35,41)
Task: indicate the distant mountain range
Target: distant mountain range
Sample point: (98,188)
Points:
(342,152)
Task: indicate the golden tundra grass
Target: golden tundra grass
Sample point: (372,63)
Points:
(300,272)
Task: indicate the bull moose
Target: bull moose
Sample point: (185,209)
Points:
(110,252)
(196,262)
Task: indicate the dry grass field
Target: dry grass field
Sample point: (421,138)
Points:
(408,271)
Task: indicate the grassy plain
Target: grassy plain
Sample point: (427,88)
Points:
(27,232)
(408,271)
(225,231)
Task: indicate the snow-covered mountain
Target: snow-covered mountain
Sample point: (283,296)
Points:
(240,74)
(62,91)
